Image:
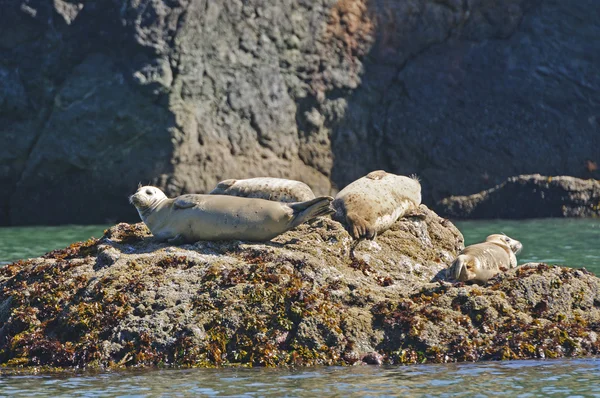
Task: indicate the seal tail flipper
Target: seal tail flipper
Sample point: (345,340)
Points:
(359,228)
(222,186)
(376,175)
(458,270)
(306,211)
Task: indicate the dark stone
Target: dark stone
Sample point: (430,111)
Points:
(528,196)
(98,96)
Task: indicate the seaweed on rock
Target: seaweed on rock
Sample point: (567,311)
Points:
(310,296)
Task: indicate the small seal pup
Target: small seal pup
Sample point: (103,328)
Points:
(371,204)
(190,218)
(269,188)
(478,263)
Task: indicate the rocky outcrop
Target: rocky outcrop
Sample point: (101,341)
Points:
(503,91)
(528,196)
(310,296)
(97,96)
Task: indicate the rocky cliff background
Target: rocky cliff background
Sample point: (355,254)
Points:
(96,96)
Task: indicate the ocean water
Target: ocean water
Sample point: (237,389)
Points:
(26,242)
(565,241)
(571,242)
(549,378)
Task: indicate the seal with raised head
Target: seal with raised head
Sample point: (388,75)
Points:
(479,262)
(371,204)
(269,188)
(190,218)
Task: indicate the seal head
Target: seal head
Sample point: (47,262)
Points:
(502,240)
(146,199)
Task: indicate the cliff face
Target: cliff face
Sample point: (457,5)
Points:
(98,96)
(505,89)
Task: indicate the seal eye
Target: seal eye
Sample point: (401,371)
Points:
(148,192)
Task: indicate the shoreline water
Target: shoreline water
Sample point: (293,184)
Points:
(556,245)
(560,377)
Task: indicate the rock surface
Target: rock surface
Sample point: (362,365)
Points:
(528,196)
(307,297)
(97,96)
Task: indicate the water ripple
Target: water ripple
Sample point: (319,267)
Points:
(516,378)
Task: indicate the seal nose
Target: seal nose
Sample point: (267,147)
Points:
(519,247)
(134,199)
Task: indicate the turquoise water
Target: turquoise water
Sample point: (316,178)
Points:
(571,242)
(25,242)
(558,241)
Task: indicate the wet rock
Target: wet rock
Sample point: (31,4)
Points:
(373,358)
(307,297)
(528,196)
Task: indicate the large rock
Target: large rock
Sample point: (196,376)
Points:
(467,94)
(310,296)
(97,96)
(528,196)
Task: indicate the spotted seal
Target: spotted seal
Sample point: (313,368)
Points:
(189,218)
(277,189)
(371,204)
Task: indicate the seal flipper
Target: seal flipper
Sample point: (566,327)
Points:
(462,270)
(457,268)
(177,240)
(376,175)
(185,202)
(223,186)
(306,211)
(360,228)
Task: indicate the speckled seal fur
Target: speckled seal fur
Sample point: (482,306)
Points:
(478,263)
(269,188)
(373,203)
(190,218)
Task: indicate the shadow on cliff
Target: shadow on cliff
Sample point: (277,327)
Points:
(94,125)
(465,96)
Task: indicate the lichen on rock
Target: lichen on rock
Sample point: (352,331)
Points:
(310,296)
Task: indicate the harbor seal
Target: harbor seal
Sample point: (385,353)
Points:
(478,263)
(190,218)
(269,188)
(371,204)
